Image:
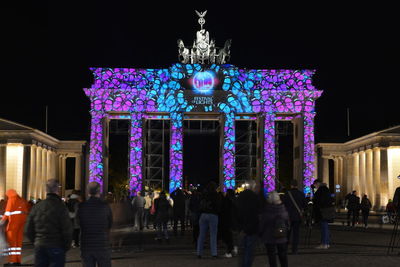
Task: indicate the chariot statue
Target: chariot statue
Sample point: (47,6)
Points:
(203,50)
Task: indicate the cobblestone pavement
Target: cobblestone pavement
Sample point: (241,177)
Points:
(350,247)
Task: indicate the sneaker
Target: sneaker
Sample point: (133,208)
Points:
(235,250)
(228,255)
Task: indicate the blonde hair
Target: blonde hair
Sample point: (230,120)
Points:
(274,198)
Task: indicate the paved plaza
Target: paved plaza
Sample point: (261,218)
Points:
(351,247)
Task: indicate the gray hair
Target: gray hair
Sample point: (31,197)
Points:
(93,188)
(52,186)
(274,198)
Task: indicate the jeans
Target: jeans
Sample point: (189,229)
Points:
(365,215)
(325,233)
(293,235)
(100,258)
(162,228)
(353,213)
(49,257)
(146,217)
(247,248)
(139,218)
(282,254)
(208,221)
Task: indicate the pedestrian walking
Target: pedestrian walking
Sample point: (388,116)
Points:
(95,219)
(353,203)
(194,206)
(210,207)
(324,211)
(50,229)
(248,204)
(147,206)
(162,207)
(73,205)
(178,210)
(295,203)
(274,225)
(15,215)
(138,203)
(226,221)
(365,208)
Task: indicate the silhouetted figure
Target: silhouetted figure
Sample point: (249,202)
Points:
(353,203)
(162,206)
(178,210)
(194,206)
(210,206)
(275,216)
(323,200)
(226,221)
(365,208)
(295,203)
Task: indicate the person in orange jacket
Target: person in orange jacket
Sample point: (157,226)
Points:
(15,213)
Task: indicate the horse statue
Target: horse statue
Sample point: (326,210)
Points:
(184,56)
(224,54)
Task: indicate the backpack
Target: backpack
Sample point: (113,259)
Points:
(280,228)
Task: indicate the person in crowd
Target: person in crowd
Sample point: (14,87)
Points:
(147,207)
(295,203)
(178,210)
(353,202)
(194,206)
(323,201)
(138,203)
(187,210)
(95,219)
(162,207)
(15,213)
(273,225)
(248,209)
(396,199)
(226,221)
(365,208)
(390,208)
(72,205)
(50,229)
(210,207)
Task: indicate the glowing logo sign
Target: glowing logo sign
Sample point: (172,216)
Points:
(203,82)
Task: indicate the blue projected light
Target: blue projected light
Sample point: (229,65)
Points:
(203,82)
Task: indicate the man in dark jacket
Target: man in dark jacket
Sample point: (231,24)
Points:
(178,210)
(322,200)
(396,198)
(295,202)
(248,210)
(49,228)
(353,203)
(95,220)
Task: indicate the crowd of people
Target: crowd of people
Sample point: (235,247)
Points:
(239,220)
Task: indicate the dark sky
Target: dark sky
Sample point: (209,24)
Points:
(48,49)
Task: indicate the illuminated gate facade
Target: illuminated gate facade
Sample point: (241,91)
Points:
(209,88)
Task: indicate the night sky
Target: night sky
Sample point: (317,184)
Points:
(48,49)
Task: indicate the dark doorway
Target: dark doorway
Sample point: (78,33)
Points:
(118,158)
(70,173)
(201,148)
(331,184)
(284,153)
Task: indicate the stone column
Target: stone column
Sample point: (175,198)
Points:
(228,151)
(44,173)
(175,152)
(368,176)
(356,173)
(136,153)
(63,173)
(325,174)
(336,174)
(309,151)
(3,164)
(384,176)
(96,164)
(78,172)
(376,177)
(341,177)
(38,181)
(349,173)
(362,172)
(32,174)
(269,152)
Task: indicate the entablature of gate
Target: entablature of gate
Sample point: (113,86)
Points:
(228,90)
